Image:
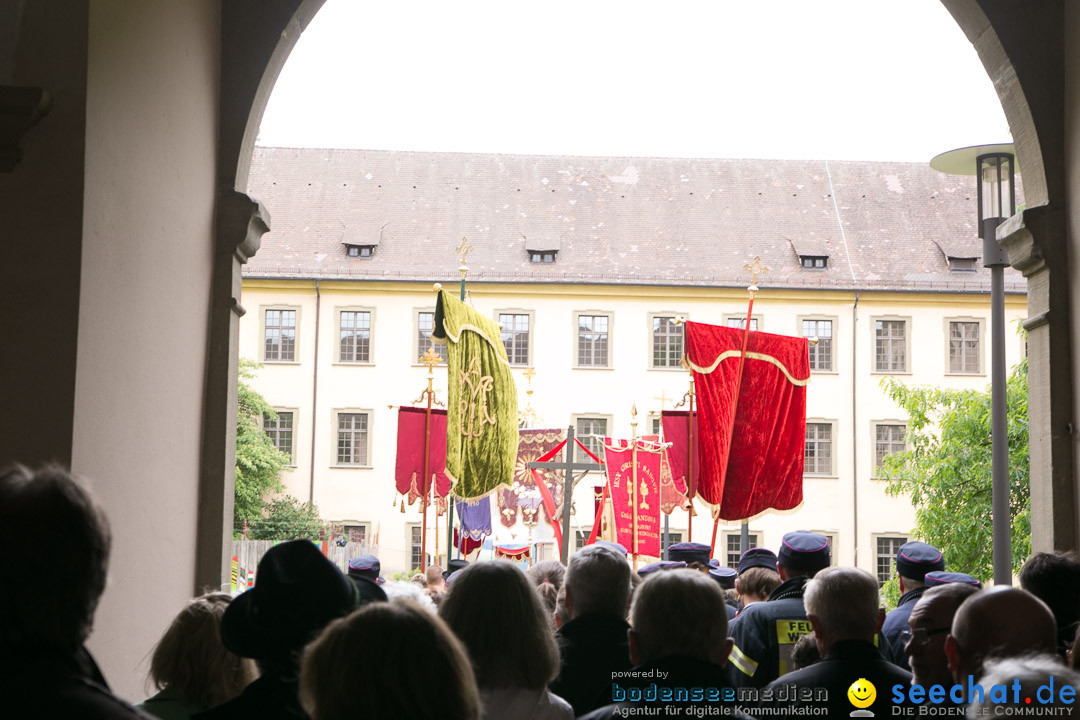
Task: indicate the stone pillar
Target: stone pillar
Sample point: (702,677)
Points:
(240,224)
(1036,241)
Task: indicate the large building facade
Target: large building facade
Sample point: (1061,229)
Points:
(588,264)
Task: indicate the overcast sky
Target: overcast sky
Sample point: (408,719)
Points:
(799,79)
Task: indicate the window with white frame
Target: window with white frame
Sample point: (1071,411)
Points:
(280,431)
(889,438)
(591,431)
(416,557)
(733,546)
(425,323)
(739,321)
(354,336)
(885,556)
(667,342)
(515,336)
(279,335)
(965,347)
(821,352)
(593,338)
(353,437)
(655,424)
(818,454)
(891,345)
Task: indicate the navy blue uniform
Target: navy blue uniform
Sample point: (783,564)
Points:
(895,623)
(765,634)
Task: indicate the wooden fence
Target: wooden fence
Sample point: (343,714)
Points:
(246,555)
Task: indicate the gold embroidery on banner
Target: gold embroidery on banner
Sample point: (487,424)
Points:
(473,400)
(750,355)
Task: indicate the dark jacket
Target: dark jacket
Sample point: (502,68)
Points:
(895,623)
(267,698)
(844,663)
(674,672)
(764,635)
(59,686)
(591,648)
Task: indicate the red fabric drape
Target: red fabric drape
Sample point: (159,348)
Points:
(468,546)
(751,446)
(410,453)
(677,432)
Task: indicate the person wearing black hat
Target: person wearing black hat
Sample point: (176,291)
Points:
(757,576)
(453,566)
(913,561)
(689,552)
(297,592)
(765,633)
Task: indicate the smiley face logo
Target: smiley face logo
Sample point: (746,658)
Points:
(862,693)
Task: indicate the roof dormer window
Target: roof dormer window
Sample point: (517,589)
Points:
(542,256)
(364,252)
(814,262)
(962,265)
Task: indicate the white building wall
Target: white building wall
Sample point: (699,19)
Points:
(394,377)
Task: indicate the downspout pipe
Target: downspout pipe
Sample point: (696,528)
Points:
(855,432)
(314,395)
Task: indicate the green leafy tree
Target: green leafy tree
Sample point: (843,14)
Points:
(289,519)
(258,462)
(947,471)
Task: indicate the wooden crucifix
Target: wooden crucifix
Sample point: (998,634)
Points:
(568,466)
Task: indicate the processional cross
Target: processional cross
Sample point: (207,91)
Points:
(568,466)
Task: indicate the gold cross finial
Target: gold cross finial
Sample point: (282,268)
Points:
(430,358)
(663,398)
(755,269)
(463,249)
(529,375)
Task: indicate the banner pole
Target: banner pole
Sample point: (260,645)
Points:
(634,480)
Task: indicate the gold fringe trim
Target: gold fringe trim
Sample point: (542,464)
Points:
(749,356)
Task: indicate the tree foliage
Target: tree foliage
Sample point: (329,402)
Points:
(258,462)
(289,519)
(947,471)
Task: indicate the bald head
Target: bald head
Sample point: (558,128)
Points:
(1000,622)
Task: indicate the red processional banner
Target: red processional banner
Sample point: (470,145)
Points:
(672,490)
(681,430)
(626,495)
(409,470)
(752,430)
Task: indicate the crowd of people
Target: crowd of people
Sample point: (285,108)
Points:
(593,639)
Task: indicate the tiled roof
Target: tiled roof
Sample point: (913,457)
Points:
(652,221)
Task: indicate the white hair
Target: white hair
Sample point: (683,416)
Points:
(398,590)
(680,612)
(598,579)
(844,600)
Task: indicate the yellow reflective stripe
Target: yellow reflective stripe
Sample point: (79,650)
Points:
(741,661)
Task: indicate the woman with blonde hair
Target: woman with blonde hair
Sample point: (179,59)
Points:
(495,610)
(392,661)
(190,666)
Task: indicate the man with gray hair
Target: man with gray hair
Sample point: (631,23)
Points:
(592,642)
(842,605)
(678,645)
(1000,622)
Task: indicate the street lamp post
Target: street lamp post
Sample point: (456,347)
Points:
(995,168)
